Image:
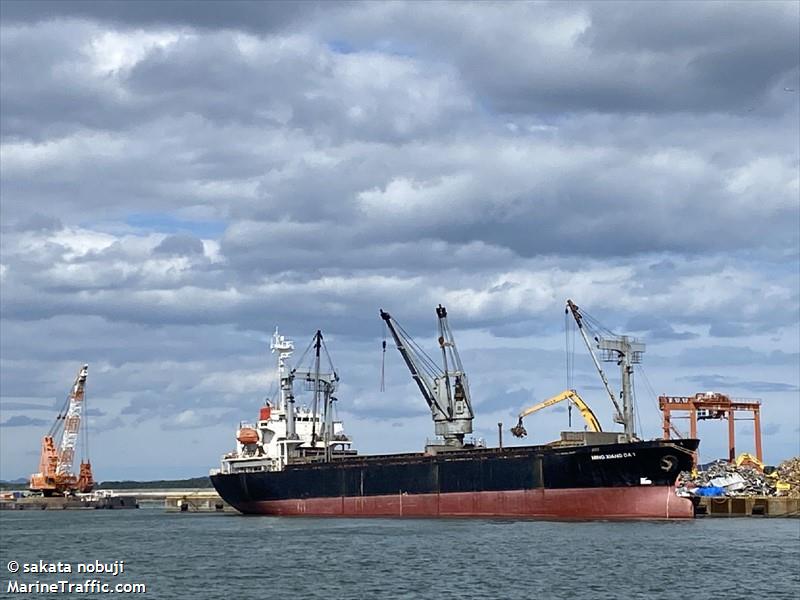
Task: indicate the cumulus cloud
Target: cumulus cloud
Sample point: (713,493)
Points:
(180,245)
(22,421)
(758,387)
(39,222)
(26,406)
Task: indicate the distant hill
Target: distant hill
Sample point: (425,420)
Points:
(192,482)
(14,484)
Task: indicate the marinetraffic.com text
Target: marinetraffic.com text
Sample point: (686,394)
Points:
(91,580)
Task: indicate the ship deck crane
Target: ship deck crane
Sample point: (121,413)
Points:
(626,352)
(55,476)
(445,389)
(570,395)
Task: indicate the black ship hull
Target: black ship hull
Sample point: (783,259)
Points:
(615,481)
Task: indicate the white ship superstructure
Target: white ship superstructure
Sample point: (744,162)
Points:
(283,433)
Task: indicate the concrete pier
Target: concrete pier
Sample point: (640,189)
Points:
(760,506)
(184,500)
(69,503)
(201,501)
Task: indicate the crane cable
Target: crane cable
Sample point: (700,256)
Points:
(330,360)
(324,349)
(600,331)
(653,396)
(569,351)
(427,364)
(85,423)
(59,422)
(635,399)
(383,357)
(569,347)
(595,326)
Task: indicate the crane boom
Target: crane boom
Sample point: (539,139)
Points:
(588,415)
(417,374)
(446,391)
(72,424)
(573,308)
(56,461)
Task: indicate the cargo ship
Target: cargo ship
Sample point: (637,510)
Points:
(299,461)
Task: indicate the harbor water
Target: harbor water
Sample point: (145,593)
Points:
(222,556)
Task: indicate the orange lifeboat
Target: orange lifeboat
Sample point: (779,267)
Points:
(247,435)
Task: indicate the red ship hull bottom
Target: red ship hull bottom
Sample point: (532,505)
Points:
(639,502)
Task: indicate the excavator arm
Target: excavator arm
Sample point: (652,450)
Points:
(571,395)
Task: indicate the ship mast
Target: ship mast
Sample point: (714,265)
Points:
(317,347)
(445,390)
(322,384)
(284,348)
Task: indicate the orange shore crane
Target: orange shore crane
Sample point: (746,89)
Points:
(712,405)
(55,476)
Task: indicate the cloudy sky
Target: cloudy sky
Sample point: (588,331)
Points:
(180,178)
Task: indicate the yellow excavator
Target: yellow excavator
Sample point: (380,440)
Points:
(571,395)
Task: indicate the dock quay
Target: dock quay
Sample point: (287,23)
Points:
(184,500)
(172,500)
(109,502)
(745,506)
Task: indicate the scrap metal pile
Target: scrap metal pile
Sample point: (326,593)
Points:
(722,478)
(788,473)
